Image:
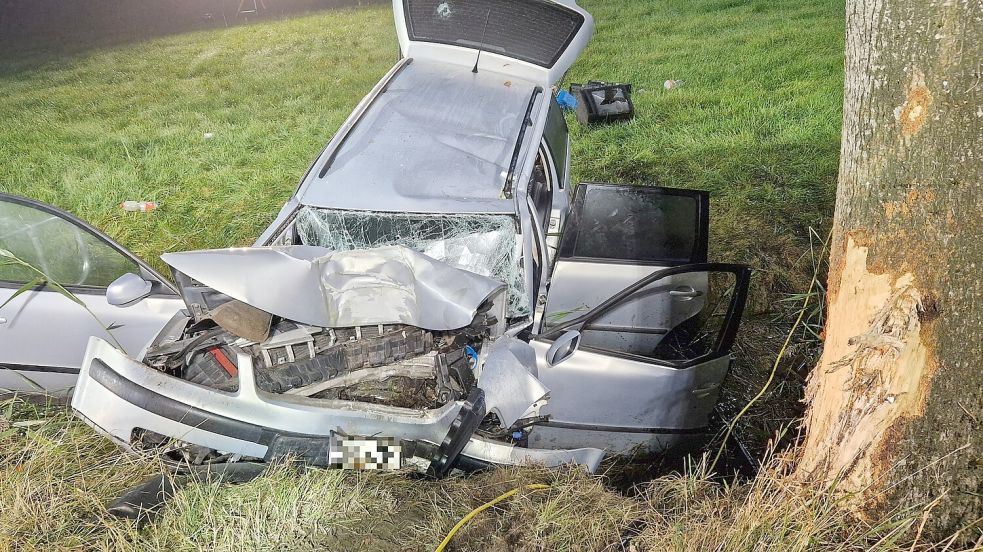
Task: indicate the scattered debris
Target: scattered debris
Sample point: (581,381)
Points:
(141,206)
(603,102)
(566,100)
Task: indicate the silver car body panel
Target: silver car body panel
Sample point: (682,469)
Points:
(618,403)
(314,285)
(58,384)
(100,403)
(508,379)
(501,453)
(437,139)
(638,325)
(43,334)
(22,341)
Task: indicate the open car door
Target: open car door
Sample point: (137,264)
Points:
(535,40)
(44,333)
(638,327)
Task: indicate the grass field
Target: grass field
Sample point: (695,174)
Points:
(756,123)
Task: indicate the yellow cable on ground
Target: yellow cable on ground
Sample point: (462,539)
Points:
(482,508)
(778,359)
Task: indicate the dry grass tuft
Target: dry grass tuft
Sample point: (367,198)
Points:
(56,476)
(773,512)
(577,512)
(282,510)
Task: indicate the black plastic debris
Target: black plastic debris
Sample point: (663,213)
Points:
(603,102)
(144,502)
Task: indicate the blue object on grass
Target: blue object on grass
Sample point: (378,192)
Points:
(566,100)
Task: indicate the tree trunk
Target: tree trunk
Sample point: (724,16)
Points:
(896,403)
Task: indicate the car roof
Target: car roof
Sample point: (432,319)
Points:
(437,139)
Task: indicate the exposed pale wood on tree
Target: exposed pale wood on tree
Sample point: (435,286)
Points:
(896,403)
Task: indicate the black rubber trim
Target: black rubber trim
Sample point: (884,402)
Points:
(37,368)
(526,123)
(469,465)
(625,329)
(177,411)
(82,290)
(623,429)
(459,434)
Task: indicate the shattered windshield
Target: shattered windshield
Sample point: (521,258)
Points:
(484,244)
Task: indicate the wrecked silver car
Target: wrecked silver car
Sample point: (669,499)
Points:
(435,294)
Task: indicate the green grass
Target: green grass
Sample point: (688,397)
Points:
(756,123)
(86,133)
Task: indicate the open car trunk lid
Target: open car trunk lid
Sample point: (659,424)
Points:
(536,40)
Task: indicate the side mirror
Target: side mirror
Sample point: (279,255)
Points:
(127,289)
(563,348)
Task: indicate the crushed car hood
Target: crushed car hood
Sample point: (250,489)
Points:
(336,289)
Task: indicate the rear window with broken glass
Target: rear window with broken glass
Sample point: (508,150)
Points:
(528,30)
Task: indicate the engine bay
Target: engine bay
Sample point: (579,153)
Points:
(387,364)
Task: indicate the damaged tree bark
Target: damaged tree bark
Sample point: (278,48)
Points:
(896,403)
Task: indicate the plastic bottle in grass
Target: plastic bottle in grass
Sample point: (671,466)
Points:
(141,206)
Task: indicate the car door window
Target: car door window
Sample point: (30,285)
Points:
(541,189)
(692,313)
(637,224)
(616,235)
(66,252)
(557,141)
(536,31)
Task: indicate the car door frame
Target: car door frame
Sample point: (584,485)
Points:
(160,282)
(57,374)
(565,249)
(724,342)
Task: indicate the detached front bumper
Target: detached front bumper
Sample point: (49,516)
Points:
(117,395)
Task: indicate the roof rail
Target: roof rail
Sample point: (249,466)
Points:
(360,110)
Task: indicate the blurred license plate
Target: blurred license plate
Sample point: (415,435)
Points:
(365,453)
